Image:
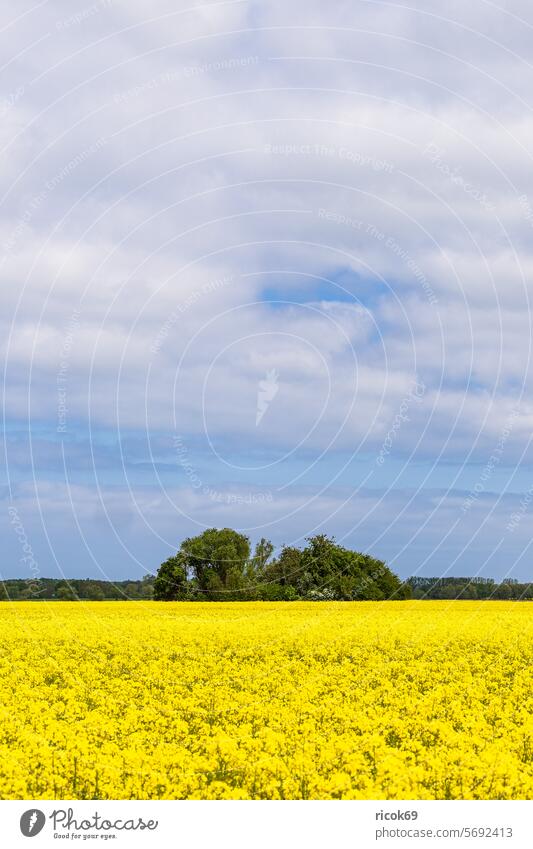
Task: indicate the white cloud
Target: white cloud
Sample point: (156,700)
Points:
(314,153)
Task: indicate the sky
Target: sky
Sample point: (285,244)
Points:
(266,265)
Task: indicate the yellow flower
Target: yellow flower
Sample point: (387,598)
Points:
(399,700)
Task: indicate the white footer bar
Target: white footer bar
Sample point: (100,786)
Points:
(267,825)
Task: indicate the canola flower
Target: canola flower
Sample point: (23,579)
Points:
(362,700)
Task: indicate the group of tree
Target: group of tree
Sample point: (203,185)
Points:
(469,588)
(219,565)
(73,589)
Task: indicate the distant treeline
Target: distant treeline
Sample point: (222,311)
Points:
(56,589)
(469,588)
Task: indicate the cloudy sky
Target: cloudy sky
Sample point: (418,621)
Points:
(266,265)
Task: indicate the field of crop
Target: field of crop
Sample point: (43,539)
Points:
(396,700)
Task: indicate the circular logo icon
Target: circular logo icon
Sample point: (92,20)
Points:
(32,822)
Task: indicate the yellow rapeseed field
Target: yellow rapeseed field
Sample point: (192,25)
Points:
(363,700)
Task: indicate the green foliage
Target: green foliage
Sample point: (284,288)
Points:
(468,588)
(320,571)
(262,554)
(330,571)
(275,592)
(213,565)
(217,565)
(171,580)
(73,589)
(286,569)
(65,593)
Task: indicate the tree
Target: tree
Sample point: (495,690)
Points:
(214,562)
(503,591)
(217,565)
(262,554)
(65,593)
(147,587)
(325,570)
(286,569)
(171,581)
(94,592)
(277,580)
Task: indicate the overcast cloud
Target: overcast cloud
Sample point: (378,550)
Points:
(267,265)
